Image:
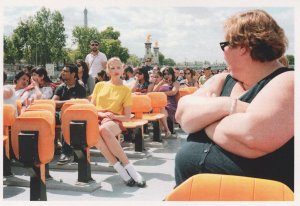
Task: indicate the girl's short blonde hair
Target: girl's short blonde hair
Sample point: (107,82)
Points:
(113,59)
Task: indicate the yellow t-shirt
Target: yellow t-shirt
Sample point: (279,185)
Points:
(111,97)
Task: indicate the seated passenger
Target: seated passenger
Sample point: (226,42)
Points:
(84,77)
(242,123)
(113,101)
(21,81)
(41,86)
(70,89)
(189,80)
(170,87)
(9,96)
(142,81)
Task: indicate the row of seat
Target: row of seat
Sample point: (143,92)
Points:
(33,133)
(38,120)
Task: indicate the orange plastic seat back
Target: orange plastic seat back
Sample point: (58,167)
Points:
(140,104)
(19,106)
(72,102)
(9,115)
(44,101)
(214,187)
(159,100)
(41,121)
(43,107)
(87,112)
(185,91)
(47,107)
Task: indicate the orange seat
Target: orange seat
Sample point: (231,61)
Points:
(140,105)
(19,106)
(158,101)
(84,112)
(43,107)
(185,91)
(9,117)
(41,121)
(37,106)
(45,101)
(72,102)
(214,187)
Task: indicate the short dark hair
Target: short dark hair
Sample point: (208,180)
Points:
(73,69)
(19,75)
(128,69)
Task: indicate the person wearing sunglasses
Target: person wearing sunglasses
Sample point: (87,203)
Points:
(95,60)
(242,122)
(157,77)
(189,80)
(207,73)
(83,76)
(69,89)
(170,87)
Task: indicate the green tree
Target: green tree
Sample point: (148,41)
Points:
(82,37)
(109,33)
(40,39)
(169,62)
(57,38)
(290,59)
(22,41)
(133,60)
(110,45)
(161,58)
(73,55)
(10,52)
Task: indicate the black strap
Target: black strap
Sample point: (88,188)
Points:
(252,92)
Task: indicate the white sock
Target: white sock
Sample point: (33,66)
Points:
(122,172)
(133,173)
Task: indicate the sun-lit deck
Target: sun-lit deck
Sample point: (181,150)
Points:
(156,164)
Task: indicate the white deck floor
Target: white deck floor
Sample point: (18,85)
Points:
(156,165)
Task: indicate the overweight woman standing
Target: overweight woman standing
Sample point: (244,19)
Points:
(242,123)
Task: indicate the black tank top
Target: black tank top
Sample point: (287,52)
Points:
(278,165)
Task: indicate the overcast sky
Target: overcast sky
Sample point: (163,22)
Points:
(185,32)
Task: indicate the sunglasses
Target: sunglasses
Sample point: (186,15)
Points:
(165,74)
(224,44)
(187,73)
(94,44)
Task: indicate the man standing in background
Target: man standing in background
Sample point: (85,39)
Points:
(207,74)
(95,60)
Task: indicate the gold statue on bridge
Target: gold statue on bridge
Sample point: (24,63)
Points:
(148,37)
(156,44)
